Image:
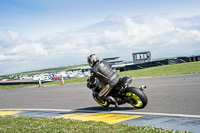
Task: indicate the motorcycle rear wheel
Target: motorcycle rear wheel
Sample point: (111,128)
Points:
(103,103)
(137,97)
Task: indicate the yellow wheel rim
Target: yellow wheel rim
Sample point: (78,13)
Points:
(137,100)
(104,103)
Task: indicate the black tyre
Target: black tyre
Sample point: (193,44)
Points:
(136,97)
(103,103)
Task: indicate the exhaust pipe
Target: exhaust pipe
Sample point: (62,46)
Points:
(143,88)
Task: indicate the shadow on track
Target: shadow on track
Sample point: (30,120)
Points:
(99,108)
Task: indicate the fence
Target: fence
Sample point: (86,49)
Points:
(160,63)
(21,83)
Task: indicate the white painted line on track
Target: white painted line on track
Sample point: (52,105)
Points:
(160,114)
(109,112)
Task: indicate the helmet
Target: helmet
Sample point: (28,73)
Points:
(92,59)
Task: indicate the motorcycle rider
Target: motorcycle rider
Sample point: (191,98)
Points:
(103,72)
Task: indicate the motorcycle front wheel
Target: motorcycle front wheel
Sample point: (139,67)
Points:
(103,103)
(136,97)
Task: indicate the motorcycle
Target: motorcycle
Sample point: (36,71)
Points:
(122,93)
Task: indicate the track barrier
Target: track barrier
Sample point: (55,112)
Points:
(160,63)
(18,82)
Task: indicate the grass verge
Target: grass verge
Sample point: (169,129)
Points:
(168,70)
(16,86)
(21,124)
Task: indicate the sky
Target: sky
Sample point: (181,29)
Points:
(39,34)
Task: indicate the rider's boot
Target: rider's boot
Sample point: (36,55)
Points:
(119,100)
(111,99)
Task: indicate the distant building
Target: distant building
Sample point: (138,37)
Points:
(113,60)
(83,69)
(141,57)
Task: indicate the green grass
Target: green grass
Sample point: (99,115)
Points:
(16,86)
(69,81)
(20,124)
(168,70)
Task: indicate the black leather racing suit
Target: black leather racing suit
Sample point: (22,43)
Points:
(104,73)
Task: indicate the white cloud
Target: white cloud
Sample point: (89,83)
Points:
(10,38)
(115,36)
(35,49)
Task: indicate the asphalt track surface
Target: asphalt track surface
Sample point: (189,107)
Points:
(173,103)
(173,95)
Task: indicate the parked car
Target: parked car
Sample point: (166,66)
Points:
(79,75)
(36,78)
(25,77)
(55,78)
(86,74)
(71,75)
(10,79)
